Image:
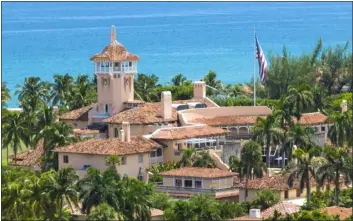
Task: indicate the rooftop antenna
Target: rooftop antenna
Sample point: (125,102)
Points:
(112,34)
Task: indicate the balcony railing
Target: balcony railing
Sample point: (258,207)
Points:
(116,70)
(238,137)
(155,160)
(100,115)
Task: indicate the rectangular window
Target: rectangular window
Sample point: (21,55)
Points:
(246,193)
(140,177)
(123,160)
(153,154)
(178,182)
(140,158)
(323,128)
(180,146)
(106,108)
(198,184)
(66,159)
(286,194)
(130,64)
(188,183)
(116,132)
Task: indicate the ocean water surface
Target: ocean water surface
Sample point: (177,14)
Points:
(46,38)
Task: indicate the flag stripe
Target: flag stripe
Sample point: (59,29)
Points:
(262,61)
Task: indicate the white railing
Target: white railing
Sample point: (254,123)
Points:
(154,160)
(162,188)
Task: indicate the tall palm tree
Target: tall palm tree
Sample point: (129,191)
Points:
(301,97)
(32,94)
(178,80)
(61,188)
(268,133)
(301,136)
(283,114)
(113,161)
(145,87)
(98,188)
(14,133)
(211,80)
(341,130)
(204,159)
(338,164)
(238,166)
(61,88)
(252,159)
(306,169)
(187,158)
(5,95)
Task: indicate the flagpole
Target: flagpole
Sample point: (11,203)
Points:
(254,67)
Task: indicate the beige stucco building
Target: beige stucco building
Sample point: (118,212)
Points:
(193,180)
(279,184)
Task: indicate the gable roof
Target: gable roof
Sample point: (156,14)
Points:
(312,118)
(282,207)
(30,158)
(145,114)
(228,120)
(198,172)
(75,114)
(276,182)
(177,133)
(111,146)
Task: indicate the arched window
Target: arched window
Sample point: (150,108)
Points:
(159,152)
(116,132)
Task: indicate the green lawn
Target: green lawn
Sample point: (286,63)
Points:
(4,151)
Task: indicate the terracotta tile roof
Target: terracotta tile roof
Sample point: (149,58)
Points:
(227,120)
(110,146)
(276,182)
(85,131)
(115,51)
(30,158)
(343,212)
(145,114)
(226,194)
(75,114)
(156,212)
(177,133)
(198,172)
(312,118)
(282,207)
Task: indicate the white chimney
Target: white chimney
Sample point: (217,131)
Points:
(166,101)
(126,128)
(254,213)
(344,106)
(122,135)
(199,89)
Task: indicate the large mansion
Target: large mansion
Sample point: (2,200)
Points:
(143,134)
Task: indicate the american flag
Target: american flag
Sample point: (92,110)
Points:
(262,61)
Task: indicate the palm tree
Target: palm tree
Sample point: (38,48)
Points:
(113,161)
(145,87)
(32,93)
(5,95)
(337,164)
(306,169)
(204,159)
(266,198)
(205,207)
(179,79)
(211,80)
(60,186)
(104,212)
(252,159)
(301,97)
(98,188)
(301,136)
(14,133)
(284,115)
(179,210)
(236,165)
(319,95)
(61,88)
(267,132)
(235,90)
(341,130)
(187,157)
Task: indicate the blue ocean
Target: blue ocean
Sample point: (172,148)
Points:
(46,38)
